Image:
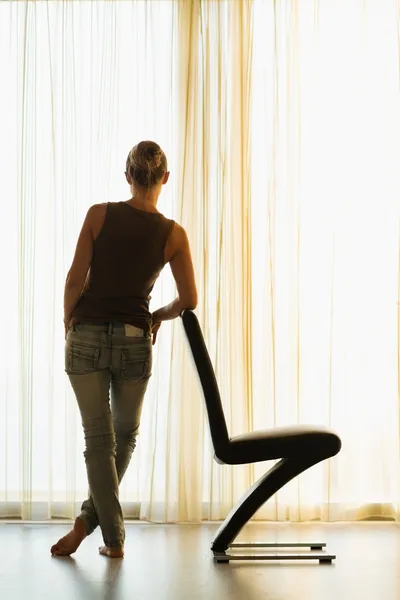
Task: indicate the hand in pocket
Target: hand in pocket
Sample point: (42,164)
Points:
(154,331)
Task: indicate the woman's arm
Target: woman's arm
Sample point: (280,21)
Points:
(77,277)
(179,257)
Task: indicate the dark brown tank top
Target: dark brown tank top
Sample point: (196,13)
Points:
(128,257)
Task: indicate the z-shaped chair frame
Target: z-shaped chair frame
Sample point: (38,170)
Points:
(297,447)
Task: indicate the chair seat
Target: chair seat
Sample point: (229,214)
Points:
(280,442)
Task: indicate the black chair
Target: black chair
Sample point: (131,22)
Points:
(298,447)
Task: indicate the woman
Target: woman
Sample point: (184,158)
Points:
(121,250)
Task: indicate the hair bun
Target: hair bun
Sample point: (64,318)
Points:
(157,157)
(146,163)
(153,157)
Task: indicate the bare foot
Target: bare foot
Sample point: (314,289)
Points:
(71,542)
(111,552)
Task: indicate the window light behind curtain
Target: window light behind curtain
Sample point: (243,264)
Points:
(281,123)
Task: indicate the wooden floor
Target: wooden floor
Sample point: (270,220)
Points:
(173,562)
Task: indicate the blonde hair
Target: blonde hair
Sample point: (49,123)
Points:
(146,164)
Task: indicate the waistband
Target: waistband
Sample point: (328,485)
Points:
(111,327)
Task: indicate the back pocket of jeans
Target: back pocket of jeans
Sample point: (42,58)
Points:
(136,363)
(81,359)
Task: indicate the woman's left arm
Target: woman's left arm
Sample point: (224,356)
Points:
(77,275)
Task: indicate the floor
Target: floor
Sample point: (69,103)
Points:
(174,562)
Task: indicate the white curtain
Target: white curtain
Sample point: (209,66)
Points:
(326,195)
(281,122)
(81,83)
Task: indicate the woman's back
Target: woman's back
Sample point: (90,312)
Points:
(128,256)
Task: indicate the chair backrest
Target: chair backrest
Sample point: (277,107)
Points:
(215,411)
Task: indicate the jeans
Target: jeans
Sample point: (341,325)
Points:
(99,358)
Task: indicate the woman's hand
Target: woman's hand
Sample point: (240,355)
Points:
(154,330)
(68,324)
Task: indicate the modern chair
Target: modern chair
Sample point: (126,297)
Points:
(298,447)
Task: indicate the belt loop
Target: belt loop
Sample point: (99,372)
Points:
(110,328)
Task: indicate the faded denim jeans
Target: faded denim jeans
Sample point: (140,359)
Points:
(99,359)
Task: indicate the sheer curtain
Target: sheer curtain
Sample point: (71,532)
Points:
(281,122)
(326,124)
(81,83)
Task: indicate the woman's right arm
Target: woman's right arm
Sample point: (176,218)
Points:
(177,254)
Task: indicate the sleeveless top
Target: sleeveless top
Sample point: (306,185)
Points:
(128,256)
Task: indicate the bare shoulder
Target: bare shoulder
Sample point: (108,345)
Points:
(178,233)
(98,209)
(177,242)
(96,216)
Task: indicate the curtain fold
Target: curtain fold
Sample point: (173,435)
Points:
(281,124)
